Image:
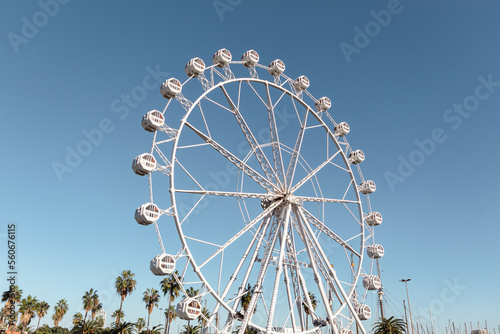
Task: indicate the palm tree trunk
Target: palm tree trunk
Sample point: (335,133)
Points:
(119,313)
(167,328)
(38,324)
(149,315)
(85,318)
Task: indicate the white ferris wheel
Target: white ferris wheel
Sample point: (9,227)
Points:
(258,202)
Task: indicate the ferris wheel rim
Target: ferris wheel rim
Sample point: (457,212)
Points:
(173,191)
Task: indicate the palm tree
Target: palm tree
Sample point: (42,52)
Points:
(158,329)
(96,308)
(88,301)
(170,287)
(389,326)
(170,315)
(124,285)
(118,314)
(314,303)
(77,318)
(191,292)
(139,325)
(41,310)
(245,299)
(188,329)
(151,298)
(11,297)
(87,327)
(122,327)
(203,318)
(59,311)
(27,309)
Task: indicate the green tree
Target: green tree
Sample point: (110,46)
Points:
(191,292)
(158,329)
(151,299)
(41,310)
(125,285)
(118,314)
(77,317)
(27,309)
(59,311)
(389,326)
(203,318)
(122,327)
(170,315)
(245,299)
(88,301)
(188,329)
(170,287)
(11,297)
(139,325)
(314,304)
(87,327)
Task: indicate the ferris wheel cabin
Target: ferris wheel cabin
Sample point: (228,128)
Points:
(323,104)
(276,67)
(147,214)
(367,187)
(301,83)
(144,164)
(375,251)
(341,129)
(222,57)
(364,312)
(171,88)
(162,264)
(372,282)
(250,58)
(194,67)
(357,157)
(152,121)
(188,309)
(374,218)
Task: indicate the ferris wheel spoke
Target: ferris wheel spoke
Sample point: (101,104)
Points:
(279,268)
(296,150)
(257,150)
(222,193)
(314,172)
(316,262)
(324,200)
(276,147)
(327,231)
(265,183)
(332,273)
(242,231)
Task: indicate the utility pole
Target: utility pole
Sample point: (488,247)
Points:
(406,317)
(408,298)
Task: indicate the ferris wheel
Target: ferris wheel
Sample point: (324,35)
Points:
(258,202)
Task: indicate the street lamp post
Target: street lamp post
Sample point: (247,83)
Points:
(408,298)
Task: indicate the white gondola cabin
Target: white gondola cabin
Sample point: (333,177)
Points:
(250,58)
(323,104)
(222,57)
(375,251)
(374,218)
(194,67)
(144,164)
(147,214)
(356,157)
(162,264)
(367,187)
(188,309)
(276,67)
(342,129)
(364,312)
(153,120)
(371,282)
(171,88)
(301,83)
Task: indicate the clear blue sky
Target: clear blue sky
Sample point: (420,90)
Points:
(428,72)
